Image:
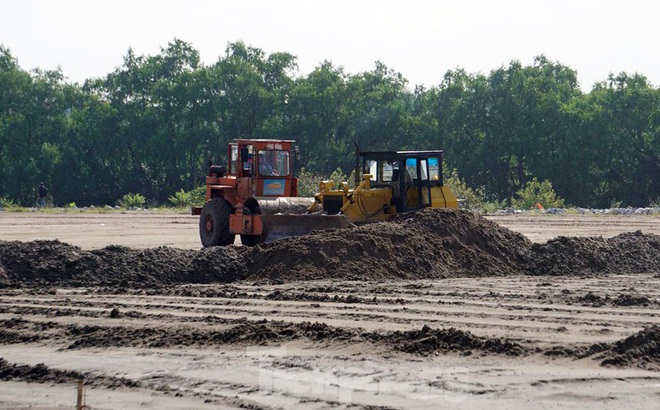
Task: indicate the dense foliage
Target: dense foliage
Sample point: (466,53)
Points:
(152,125)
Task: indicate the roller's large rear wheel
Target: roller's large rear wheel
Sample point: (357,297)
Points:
(214,223)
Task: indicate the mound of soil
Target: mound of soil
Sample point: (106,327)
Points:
(428,340)
(429,244)
(57,263)
(433,243)
(642,350)
(240,332)
(39,373)
(43,374)
(632,252)
(626,299)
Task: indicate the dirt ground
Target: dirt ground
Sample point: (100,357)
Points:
(551,323)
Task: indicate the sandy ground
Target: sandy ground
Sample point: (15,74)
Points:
(540,313)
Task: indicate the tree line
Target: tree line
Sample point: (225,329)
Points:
(152,125)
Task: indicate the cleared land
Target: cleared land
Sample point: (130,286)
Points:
(503,340)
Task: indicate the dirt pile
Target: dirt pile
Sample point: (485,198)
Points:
(632,252)
(432,243)
(428,340)
(641,349)
(41,373)
(57,263)
(622,299)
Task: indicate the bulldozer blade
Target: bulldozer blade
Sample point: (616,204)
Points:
(281,226)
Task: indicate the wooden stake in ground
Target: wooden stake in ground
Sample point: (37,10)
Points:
(79,401)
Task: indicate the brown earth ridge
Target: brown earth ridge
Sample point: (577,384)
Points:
(430,244)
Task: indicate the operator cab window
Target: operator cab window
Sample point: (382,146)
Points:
(247,156)
(233,161)
(434,169)
(411,166)
(380,170)
(387,171)
(273,163)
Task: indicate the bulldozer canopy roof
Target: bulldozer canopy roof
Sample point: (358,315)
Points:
(255,140)
(407,154)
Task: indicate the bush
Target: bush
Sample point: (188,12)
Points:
(469,198)
(183,199)
(180,199)
(130,200)
(534,192)
(198,196)
(472,199)
(6,203)
(491,207)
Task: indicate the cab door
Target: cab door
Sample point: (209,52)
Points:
(418,168)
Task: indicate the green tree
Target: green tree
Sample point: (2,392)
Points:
(316,116)
(33,128)
(524,122)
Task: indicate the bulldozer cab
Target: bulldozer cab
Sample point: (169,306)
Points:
(410,175)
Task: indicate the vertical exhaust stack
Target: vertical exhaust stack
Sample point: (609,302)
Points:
(358,177)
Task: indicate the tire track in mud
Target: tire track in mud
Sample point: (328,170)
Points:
(530,312)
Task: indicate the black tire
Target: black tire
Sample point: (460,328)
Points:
(250,240)
(214,223)
(251,207)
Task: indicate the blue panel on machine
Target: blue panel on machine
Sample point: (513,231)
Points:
(274,187)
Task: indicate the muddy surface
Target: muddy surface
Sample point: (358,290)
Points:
(434,310)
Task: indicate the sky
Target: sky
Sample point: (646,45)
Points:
(421,39)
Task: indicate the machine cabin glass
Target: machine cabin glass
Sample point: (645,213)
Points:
(233,159)
(274,163)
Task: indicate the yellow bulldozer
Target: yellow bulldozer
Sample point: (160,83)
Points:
(256,195)
(390,183)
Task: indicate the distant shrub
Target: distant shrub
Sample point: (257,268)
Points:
(198,196)
(131,200)
(183,199)
(469,198)
(180,199)
(616,204)
(6,203)
(535,192)
(490,207)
